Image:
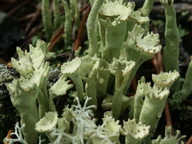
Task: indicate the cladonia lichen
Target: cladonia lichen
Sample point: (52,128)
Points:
(119,43)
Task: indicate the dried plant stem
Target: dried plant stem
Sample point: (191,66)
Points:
(55,38)
(81,29)
(189,141)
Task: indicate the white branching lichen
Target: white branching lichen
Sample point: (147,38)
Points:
(18,134)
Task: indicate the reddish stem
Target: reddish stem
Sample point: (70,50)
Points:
(189,140)
(19,7)
(55,38)
(168,115)
(134,85)
(81,29)
(84,8)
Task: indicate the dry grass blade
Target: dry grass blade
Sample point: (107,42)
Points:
(55,38)
(81,29)
(189,141)
(19,6)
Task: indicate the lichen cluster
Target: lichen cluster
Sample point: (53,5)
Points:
(119,43)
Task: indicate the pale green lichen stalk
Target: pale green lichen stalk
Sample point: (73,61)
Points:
(186,89)
(71,69)
(172,40)
(67,23)
(25,90)
(121,69)
(140,48)
(29,93)
(147,7)
(55,20)
(113,17)
(92,27)
(153,106)
(166,79)
(108,132)
(134,132)
(149,101)
(187,85)
(47,123)
(56,12)
(138,99)
(47,22)
(75,10)
(169,138)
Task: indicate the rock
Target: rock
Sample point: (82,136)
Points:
(10,35)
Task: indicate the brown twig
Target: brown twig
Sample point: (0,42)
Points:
(27,39)
(36,15)
(6,6)
(26,17)
(8,136)
(19,7)
(81,29)
(168,115)
(55,38)
(133,86)
(64,55)
(157,63)
(189,140)
(84,8)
